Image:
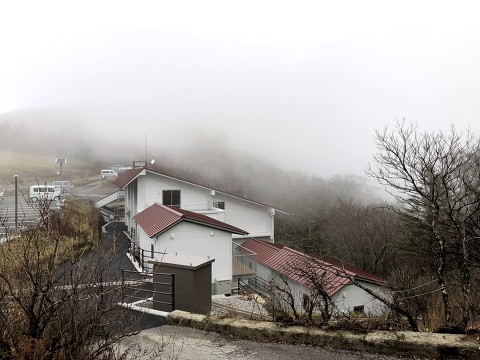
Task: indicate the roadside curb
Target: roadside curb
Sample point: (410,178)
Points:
(400,343)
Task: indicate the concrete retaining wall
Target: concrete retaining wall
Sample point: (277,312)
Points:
(401,343)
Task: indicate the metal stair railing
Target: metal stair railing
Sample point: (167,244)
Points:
(254,284)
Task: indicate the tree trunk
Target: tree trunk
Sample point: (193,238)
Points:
(465,278)
(441,260)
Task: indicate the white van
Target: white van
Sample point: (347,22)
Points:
(42,192)
(108,174)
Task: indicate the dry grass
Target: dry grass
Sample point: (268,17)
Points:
(32,168)
(70,232)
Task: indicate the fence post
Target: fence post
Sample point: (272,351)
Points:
(173,292)
(122,290)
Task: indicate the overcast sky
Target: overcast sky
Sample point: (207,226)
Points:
(303,84)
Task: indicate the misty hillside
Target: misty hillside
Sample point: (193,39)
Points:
(51,133)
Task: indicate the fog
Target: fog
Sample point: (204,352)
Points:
(302,85)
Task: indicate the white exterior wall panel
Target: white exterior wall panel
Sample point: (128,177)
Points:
(141,200)
(193,239)
(247,216)
(243,214)
(350,296)
(345,299)
(192,198)
(130,204)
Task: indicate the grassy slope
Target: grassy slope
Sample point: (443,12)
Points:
(30,167)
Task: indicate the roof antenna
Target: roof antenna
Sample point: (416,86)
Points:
(146,157)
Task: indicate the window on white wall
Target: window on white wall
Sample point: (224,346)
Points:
(359,309)
(171,198)
(220,205)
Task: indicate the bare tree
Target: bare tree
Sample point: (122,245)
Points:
(58,298)
(435,179)
(363,235)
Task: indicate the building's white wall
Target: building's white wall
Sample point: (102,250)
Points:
(350,296)
(145,241)
(193,239)
(130,204)
(263,271)
(192,198)
(256,219)
(345,300)
(141,194)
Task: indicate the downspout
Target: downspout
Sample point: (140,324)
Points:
(272,215)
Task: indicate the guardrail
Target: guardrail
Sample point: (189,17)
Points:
(142,256)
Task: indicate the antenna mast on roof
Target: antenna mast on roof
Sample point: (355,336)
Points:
(146,156)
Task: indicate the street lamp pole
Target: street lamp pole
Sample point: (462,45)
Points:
(61,161)
(16,204)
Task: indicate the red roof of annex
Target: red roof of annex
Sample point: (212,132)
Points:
(294,264)
(158,218)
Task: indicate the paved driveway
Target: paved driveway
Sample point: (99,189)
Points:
(172,342)
(115,238)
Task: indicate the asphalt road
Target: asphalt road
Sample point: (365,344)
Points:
(28,212)
(173,342)
(94,190)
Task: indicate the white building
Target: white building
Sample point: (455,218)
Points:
(165,230)
(145,186)
(165,214)
(291,269)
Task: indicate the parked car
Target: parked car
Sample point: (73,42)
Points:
(43,192)
(64,185)
(2,193)
(108,174)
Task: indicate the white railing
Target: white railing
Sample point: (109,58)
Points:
(207,206)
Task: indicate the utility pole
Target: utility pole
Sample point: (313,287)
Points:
(16,204)
(61,161)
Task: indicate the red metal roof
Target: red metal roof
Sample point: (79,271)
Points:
(297,265)
(128,176)
(263,249)
(359,273)
(158,218)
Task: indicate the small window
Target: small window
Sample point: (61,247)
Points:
(359,309)
(220,205)
(152,250)
(171,198)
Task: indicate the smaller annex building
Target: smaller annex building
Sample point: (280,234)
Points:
(301,275)
(167,230)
